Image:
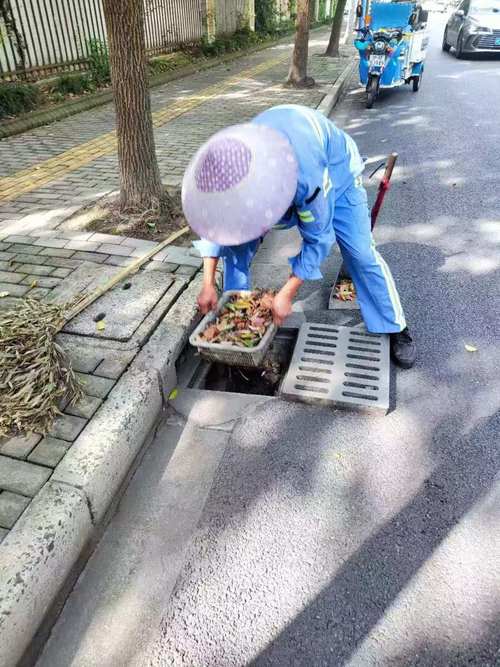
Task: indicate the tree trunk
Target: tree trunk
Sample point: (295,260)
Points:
(7,16)
(297,76)
(140,183)
(333,45)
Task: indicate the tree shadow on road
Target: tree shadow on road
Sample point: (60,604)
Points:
(412,478)
(331,628)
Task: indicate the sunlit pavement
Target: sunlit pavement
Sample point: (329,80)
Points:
(331,538)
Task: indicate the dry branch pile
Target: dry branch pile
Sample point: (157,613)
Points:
(35,377)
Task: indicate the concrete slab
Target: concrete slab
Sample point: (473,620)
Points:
(12,505)
(84,358)
(123,309)
(114,365)
(35,269)
(49,452)
(10,277)
(67,427)
(162,349)
(85,407)
(22,477)
(179,255)
(13,290)
(335,365)
(37,556)
(114,249)
(42,281)
(86,278)
(20,446)
(95,386)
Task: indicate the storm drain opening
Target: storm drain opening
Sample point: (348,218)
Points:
(339,366)
(197,373)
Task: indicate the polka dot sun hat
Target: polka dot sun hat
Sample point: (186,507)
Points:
(239,184)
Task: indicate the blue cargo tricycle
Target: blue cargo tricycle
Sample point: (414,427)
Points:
(391,41)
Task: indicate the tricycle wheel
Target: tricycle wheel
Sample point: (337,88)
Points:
(416,82)
(371,92)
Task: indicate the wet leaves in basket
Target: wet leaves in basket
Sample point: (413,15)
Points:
(243,321)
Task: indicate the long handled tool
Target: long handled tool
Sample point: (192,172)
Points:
(343,274)
(383,186)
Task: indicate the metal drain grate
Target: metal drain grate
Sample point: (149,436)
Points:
(338,365)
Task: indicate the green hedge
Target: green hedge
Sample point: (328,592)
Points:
(17,97)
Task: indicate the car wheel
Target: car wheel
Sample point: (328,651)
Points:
(459,49)
(445,46)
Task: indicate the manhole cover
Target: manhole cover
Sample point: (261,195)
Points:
(337,365)
(122,309)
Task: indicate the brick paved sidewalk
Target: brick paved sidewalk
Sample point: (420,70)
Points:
(48,173)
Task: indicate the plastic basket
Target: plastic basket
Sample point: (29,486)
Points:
(225,353)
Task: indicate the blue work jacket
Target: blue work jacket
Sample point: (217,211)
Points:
(329,163)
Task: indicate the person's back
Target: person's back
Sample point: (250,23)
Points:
(318,144)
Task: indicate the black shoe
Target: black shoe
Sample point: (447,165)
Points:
(403,349)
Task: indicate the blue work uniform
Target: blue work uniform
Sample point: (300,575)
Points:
(330,204)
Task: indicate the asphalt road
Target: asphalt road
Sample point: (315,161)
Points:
(331,538)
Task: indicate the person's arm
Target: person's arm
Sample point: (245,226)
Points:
(283,301)
(208,297)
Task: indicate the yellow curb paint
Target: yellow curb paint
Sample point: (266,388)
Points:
(59,166)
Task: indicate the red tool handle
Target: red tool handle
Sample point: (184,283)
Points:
(383,187)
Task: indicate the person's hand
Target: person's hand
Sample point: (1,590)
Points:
(282,307)
(207,299)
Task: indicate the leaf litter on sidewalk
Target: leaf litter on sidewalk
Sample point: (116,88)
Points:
(35,376)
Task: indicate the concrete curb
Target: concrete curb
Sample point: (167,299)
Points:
(48,546)
(37,557)
(332,97)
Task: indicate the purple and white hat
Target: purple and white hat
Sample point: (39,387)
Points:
(239,184)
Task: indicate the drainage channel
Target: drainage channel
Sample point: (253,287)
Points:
(194,372)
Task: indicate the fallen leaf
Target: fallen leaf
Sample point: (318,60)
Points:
(471,348)
(211,332)
(2,294)
(34,283)
(173,394)
(101,325)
